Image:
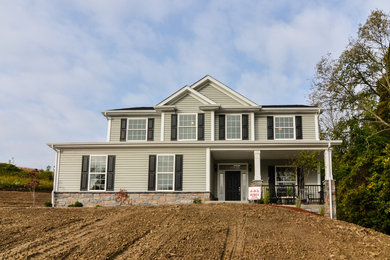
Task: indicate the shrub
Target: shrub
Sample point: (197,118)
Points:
(77,204)
(121,197)
(266,196)
(97,206)
(322,210)
(298,203)
(48,204)
(260,201)
(197,201)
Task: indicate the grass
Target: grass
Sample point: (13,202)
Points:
(12,178)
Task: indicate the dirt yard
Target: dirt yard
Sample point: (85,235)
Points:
(211,231)
(23,199)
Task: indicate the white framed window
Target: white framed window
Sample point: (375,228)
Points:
(165,172)
(137,129)
(187,127)
(97,172)
(285,175)
(233,126)
(284,127)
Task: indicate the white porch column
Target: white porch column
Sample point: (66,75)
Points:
(257,165)
(328,164)
(212,125)
(208,154)
(162,127)
(319,173)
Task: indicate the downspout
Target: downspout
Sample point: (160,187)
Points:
(330,182)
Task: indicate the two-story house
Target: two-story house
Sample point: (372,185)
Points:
(204,141)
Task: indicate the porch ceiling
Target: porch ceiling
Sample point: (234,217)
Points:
(248,154)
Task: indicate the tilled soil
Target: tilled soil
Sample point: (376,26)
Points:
(23,199)
(207,231)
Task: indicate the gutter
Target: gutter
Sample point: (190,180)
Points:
(56,172)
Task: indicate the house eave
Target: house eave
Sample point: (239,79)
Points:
(301,145)
(109,113)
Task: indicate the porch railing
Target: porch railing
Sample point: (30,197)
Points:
(287,194)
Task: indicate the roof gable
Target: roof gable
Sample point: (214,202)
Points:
(182,93)
(208,80)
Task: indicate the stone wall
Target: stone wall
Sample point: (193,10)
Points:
(91,199)
(327,199)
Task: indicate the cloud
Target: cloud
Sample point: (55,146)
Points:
(63,62)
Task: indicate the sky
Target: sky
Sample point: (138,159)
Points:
(63,62)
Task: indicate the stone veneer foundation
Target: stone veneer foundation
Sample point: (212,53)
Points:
(91,199)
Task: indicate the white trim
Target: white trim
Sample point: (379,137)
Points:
(212,115)
(227,90)
(146,128)
(173,172)
(279,116)
(226,136)
(182,91)
(89,171)
(196,126)
(253,126)
(108,128)
(162,126)
(58,167)
(316,127)
(208,155)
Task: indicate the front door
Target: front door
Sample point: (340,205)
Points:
(232,184)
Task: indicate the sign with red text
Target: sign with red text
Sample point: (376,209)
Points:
(254,193)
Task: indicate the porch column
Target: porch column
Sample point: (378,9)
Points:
(329,186)
(257,166)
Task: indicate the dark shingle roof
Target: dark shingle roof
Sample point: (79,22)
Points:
(133,108)
(287,106)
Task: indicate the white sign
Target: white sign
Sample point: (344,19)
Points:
(254,193)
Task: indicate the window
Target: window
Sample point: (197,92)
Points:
(284,127)
(165,172)
(187,127)
(286,175)
(137,129)
(233,127)
(97,172)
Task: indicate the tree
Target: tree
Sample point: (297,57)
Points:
(33,183)
(355,90)
(357,84)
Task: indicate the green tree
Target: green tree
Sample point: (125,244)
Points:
(355,90)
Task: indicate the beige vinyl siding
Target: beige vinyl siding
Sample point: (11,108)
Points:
(167,127)
(218,97)
(207,126)
(131,168)
(216,123)
(116,125)
(188,104)
(308,126)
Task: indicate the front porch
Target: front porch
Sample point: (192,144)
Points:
(234,171)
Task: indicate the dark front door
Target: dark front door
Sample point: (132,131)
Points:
(232,184)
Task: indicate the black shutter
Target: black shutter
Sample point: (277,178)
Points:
(201,126)
(84,172)
(245,128)
(179,172)
(301,181)
(221,127)
(270,127)
(298,127)
(173,127)
(271,183)
(123,129)
(150,129)
(110,173)
(152,173)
